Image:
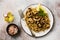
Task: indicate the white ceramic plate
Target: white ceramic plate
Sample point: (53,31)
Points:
(39,34)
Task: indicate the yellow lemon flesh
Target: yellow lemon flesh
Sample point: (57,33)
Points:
(11,18)
(7,19)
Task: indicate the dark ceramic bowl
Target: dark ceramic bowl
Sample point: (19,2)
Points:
(10,26)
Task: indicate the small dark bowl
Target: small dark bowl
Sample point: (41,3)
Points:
(10,26)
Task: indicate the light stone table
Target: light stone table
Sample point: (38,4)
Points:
(15,5)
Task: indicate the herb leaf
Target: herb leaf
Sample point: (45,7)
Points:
(41,12)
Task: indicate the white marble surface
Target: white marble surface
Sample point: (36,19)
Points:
(15,5)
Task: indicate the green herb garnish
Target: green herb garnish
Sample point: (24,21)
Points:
(41,12)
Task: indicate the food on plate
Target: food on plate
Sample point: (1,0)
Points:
(9,17)
(37,18)
(12,29)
